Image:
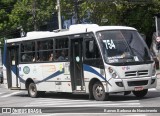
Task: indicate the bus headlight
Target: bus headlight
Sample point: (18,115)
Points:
(110,70)
(113,73)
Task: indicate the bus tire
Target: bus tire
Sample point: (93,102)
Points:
(140,94)
(99,92)
(32,90)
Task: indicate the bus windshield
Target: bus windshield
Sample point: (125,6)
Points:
(120,46)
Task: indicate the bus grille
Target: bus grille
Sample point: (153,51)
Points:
(139,73)
(137,83)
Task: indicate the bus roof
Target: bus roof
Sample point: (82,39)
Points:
(74,29)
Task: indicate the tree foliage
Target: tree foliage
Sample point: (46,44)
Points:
(33,14)
(27,14)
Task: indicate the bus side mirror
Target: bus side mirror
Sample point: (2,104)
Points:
(91,44)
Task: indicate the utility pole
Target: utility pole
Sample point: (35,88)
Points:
(76,11)
(34,15)
(59,14)
(156,21)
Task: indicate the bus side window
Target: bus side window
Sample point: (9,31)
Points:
(51,57)
(44,50)
(91,53)
(27,51)
(61,49)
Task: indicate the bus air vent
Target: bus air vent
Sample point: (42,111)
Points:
(137,83)
(140,73)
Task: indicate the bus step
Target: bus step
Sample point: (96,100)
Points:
(15,88)
(78,92)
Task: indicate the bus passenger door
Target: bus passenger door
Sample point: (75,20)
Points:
(76,65)
(12,67)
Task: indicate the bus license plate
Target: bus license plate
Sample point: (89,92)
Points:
(138,88)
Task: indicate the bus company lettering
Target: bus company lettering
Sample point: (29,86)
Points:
(52,69)
(49,68)
(125,68)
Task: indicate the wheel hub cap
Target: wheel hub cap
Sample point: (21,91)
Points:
(99,91)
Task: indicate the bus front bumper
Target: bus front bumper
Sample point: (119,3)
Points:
(131,84)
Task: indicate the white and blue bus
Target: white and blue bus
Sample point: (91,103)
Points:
(86,59)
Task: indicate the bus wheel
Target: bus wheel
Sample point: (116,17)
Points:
(32,90)
(99,92)
(140,94)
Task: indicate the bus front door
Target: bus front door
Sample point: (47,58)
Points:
(12,67)
(76,65)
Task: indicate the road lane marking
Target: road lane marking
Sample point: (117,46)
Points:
(87,105)
(152,89)
(2,93)
(83,105)
(11,94)
(48,99)
(80,102)
(129,101)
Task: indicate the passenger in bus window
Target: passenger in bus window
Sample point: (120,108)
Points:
(62,56)
(38,59)
(51,57)
(66,55)
(24,57)
(33,59)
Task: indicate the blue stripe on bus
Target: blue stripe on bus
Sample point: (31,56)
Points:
(51,76)
(86,68)
(90,69)
(47,78)
(13,69)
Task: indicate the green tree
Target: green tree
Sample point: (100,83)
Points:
(140,16)
(28,14)
(6,7)
(31,14)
